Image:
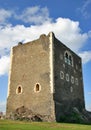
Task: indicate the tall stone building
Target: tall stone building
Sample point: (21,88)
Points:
(46,78)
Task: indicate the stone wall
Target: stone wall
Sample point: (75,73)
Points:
(68,80)
(43,81)
(29,83)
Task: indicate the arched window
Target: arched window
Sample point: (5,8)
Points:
(68,58)
(71,89)
(37,87)
(19,89)
(67,77)
(72,79)
(61,74)
(76,81)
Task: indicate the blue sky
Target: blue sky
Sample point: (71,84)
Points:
(26,20)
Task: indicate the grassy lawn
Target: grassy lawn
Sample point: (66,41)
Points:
(17,125)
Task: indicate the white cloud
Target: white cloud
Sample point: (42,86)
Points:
(4,14)
(84,9)
(89,33)
(88,108)
(2,106)
(66,30)
(34,15)
(86,56)
(4,64)
(89,93)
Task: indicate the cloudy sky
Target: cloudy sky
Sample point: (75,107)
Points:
(26,20)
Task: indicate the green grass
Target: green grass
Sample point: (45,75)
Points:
(18,125)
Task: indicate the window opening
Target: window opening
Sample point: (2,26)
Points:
(76,81)
(61,75)
(67,77)
(66,57)
(72,79)
(70,60)
(37,87)
(71,89)
(19,90)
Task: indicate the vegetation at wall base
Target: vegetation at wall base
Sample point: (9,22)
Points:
(22,125)
(76,116)
(72,118)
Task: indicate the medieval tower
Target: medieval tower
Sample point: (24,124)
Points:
(45,77)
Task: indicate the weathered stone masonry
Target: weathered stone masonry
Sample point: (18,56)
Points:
(45,77)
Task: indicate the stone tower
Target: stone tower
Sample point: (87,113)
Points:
(45,77)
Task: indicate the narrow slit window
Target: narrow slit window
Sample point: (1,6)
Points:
(66,57)
(76,81)
(70,60)
(19,90)
(71,89)
(61,75)
(72,79)
(67,77)
(37,87)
